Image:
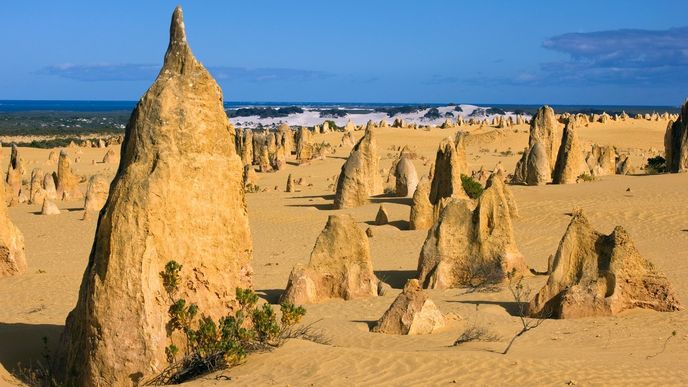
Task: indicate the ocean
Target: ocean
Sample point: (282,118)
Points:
(76,117)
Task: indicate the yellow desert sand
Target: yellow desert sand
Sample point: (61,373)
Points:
(179,192)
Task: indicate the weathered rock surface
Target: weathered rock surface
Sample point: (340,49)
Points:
(96,194)
(405,177)
(467,247)
(601,160)
(450,164)
(360,175)
(111,157)
(421,217)
(593,274)
(570,163)
(49,208)
(340,266)
(12,256)
(36,192)
(411,313)
(15,173)
(676,142)
(177,196)
(382,217)
(67,180)
(543,128)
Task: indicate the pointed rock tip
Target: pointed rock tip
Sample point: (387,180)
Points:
(177,32)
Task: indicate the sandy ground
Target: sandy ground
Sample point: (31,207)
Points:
(590,351)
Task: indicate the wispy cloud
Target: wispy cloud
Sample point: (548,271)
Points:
(147,72)
(626,56)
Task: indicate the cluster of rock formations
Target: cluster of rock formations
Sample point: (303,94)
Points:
(12,256)
(467,246)
(411,313)
(593,274)
(177,142)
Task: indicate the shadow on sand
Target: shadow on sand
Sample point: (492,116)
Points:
(23,343)
(396,278)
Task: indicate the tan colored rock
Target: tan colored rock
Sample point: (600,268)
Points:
(349,127)
(676,142)
(12,256)
(405,177)
(96,194)
(340,266)
(290,184)
(411,313)
(570,164)
(36,192)
(53,157)
(468,247)
(247,148)
(15,174)
(67,180)
(348,139)
(181,167)
(49,185)
(382,217)
(285,138)
(543,129)
(111,157)
(601,160)
(49,208)
(593,274)
(421,217)
(304,145)
(360,175)
(533,168)
(264,159)
(624,166)
(450,164)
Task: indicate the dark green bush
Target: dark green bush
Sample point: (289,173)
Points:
(656,165)
(209,346)
(473,188)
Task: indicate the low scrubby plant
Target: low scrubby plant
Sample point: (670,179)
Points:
(656,165)
(586,177)
(473,188)
(208,345)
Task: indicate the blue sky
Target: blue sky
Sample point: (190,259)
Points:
(575,52)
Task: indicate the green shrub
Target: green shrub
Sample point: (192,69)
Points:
(473,188)
(586,177)
(656,165)
(208,345)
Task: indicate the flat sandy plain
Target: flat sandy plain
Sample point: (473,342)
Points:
(589,351)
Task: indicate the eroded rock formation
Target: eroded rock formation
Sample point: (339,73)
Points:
(360,175)
(411,313)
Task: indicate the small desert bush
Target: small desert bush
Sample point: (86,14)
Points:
(477,333)
(209,345)
(473,188)
(586,177)
(656,165)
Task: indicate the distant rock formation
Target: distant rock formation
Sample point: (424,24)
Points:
(601,160)
(360,175)
(177,196)
(570,164)
(467,247)
(15,174)
(533,168)
(96,195)
(593,274)
(304,145)
(49,208)
(247,148)
(382,217)
(676,142)
(421,217)
(36,191)
(411,313)
(405,177)
(290,184)
(49,186)
(111,157)
(340,266)
(67,180)
(12,256)
(535,165)
(450,164)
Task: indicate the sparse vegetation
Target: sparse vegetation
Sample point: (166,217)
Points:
(522,294)
(476,333)
(586,177)
(207,345)
(656,165)
(473,188)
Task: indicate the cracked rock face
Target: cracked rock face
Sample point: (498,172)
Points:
(177,195)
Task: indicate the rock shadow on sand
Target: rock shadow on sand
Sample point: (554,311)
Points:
(23,343)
